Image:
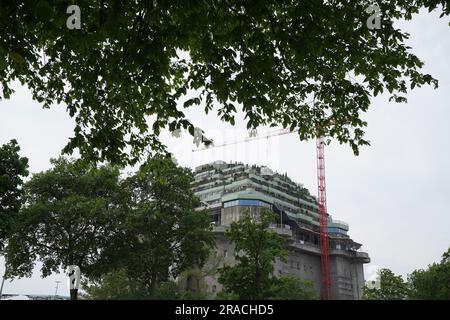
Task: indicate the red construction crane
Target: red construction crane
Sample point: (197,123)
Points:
(323,218)
(269,134)
(322,200)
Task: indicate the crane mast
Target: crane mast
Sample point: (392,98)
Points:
(323,220)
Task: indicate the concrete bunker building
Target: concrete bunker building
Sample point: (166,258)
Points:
(227,189)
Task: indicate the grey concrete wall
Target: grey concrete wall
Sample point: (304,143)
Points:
(303,261)
(347,276)
(301,265)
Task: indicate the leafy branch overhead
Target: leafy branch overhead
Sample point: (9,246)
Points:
(133,67)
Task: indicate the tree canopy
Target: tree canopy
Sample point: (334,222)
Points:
(292,288)
(392,287)
(13,168)
(142,230)
(115,285)
(69,216)
(256,250)
(134,66)
(432,283)
(163,234)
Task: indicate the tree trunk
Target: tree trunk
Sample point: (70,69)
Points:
(73,294)
(1,287)
(3,281)
(152,287)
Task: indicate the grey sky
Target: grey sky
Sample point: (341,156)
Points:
(394,195)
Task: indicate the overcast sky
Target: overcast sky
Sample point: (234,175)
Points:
(394,195)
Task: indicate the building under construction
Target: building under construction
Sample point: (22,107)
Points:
(226,190)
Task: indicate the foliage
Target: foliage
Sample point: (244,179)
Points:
(117,285)
(194,295)
(193,284)
(13,168)
(292,288)
(113,286)
(69,217)
(162,234)
(224,295)
(167,290)
(392,287)
(256,249)
(133,67)
(432,283)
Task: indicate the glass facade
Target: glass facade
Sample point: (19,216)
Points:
(246,202)
(336,230)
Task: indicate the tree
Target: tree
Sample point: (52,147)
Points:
(69,216)
(168,291)
(193,283)
(256,250)
(115,285)
(13,168)
(432,283)
(163,234)
(135,61)
(392,287)
(290,288)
